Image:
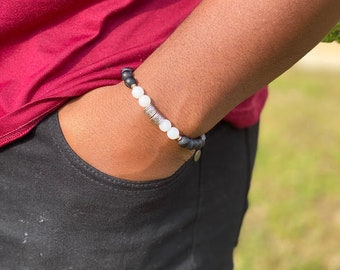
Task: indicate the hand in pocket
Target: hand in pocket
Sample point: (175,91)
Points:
(108,130)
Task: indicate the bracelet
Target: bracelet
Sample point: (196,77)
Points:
(156,117)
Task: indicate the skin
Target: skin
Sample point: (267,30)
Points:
(222,53)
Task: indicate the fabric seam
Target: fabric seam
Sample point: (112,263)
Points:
(148,187)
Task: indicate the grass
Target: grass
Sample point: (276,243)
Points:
(294,218)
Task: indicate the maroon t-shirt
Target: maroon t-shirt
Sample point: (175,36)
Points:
(51,51)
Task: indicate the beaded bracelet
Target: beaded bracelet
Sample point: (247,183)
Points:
(156,117)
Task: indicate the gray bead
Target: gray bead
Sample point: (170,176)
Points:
(183,142)
(191,144)
(197,144)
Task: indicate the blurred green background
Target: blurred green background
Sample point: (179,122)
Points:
(293,222)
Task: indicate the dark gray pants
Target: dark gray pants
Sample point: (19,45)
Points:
(57,212)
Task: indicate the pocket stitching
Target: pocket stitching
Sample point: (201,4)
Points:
(72,157)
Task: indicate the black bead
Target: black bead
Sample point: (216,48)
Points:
(126,75)
(191,144)
(130,81)
(127,69)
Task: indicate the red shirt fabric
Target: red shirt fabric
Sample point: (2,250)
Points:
(51,51)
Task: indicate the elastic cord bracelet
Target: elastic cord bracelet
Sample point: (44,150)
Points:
(156,117)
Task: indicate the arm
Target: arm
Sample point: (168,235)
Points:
(227,50)
(220,55)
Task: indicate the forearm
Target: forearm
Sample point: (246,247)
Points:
(220,55)
(225,51)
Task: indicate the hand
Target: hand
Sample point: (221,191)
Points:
(109,130)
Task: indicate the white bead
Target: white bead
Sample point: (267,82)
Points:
(144,101)
(137,92)
(173,133)
(165,125)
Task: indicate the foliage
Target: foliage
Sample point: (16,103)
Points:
(333,35)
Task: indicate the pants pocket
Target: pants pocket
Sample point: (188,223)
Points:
(60,213)
(89,172)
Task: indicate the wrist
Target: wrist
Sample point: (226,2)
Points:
(109,131)
(156,117)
